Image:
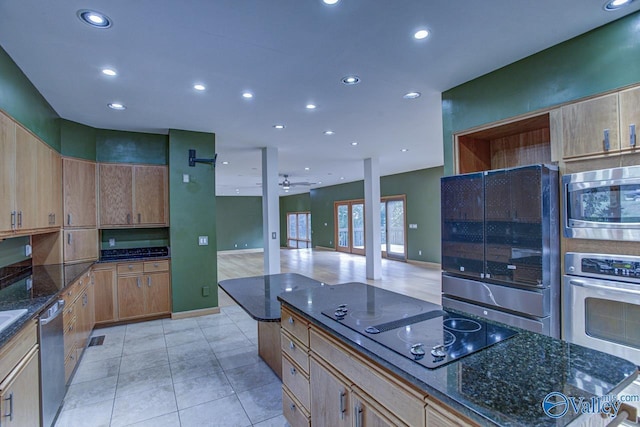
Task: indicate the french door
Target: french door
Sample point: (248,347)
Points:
(299,230)
(349,220)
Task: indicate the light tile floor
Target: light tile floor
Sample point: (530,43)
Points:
(202,371)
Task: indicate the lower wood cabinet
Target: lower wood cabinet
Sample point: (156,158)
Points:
(19,387)
(331,396)
(144,289)
(78,319)
(105,293)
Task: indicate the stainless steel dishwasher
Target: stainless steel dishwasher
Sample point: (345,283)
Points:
(52,386)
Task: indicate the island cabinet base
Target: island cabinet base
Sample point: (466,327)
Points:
(326,383)
(269,345)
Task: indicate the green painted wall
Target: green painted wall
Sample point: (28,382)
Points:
(135,238)
(77,140)
(322,210)
(192,214)
(239,223)
(601,60)
(293,203)
(22,101)
(12,250)
(132,147)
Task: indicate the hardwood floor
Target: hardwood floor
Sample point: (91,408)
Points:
(416,280)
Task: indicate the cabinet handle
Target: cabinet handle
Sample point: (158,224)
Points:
(358,416)
(13,219)
(138,281)
(68,219)
(290,320)
(606,140)
(292,407)
(69,239)
(139,219)
(292,346)
(149,281)
(343,409)
(70,328)
(10,399)
(293,371)
(128,218)
(632,135)
(19,219)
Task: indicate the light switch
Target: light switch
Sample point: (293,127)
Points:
(273,235)
(203,240)
(185,178)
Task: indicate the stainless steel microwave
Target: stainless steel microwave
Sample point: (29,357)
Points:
(602,204)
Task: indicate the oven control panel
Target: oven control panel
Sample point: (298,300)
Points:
(621,267)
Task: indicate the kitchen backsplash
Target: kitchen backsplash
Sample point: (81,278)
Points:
(12,250)
(134,238)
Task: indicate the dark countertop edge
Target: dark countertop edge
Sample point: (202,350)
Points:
(381,355)
(138,259)
(35,307)
(253,316)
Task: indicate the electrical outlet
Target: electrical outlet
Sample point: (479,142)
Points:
(420,252)
(27,250)
(112,242)
(203,240)
(205,291)
(185,178)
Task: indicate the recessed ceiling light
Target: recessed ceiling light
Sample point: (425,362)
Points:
(109,72)
(247,95)
(330,2)
(411,95)
(354,143)
(616,4)
(199,87)
(278,126)
(421,34)
(319,182)
(93,18)
(351,80)
(328,132)
(306,169)
(342,177)
(225,162)
(116,106)
(311,106)
(404,150)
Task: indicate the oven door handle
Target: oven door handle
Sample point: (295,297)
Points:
(609,288)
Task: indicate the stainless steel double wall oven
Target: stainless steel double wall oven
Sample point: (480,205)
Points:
(500,246)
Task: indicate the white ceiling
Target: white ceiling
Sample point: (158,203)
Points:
(288,53)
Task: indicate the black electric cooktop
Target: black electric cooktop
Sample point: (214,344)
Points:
(419,330)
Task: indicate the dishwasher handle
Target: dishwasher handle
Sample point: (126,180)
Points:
(54,311)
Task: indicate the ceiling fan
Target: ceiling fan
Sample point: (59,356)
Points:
(286,184)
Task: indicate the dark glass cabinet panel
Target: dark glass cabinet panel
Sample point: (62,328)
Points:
(462,224)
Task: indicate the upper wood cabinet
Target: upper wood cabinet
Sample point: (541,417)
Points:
(26,180)
(49,187)
(80,245)
(629,119)
(79,193)
(7,173)
(133,195)
(590,127)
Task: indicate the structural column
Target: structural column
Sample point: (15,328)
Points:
(270,211)
(372,237)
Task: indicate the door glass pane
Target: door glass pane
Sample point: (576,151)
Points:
(343,226)
(395,227)
(309,228)
(302,226)
(291,219)
(292,243)
(383,226)
(613,321)
(357,219)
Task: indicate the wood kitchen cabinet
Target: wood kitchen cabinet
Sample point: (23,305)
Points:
(19,384)
(80,245)
(78,320)
(7,173)
(105,293)
(143,289)
(133,195)
(330,396)
(79,193)
(26,180)
(49,187)
(629,120)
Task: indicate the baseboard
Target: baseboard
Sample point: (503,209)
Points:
(434,265)
(195,313)
(324,248)
(241,251)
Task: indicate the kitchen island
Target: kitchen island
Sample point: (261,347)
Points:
(333,375)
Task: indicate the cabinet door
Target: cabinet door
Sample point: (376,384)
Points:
(629,116)
(116,197)
(367,413)
(130,297)
(104,295)
(150,194)
(44,177)
(80,245)
(79,188)
(330,398)
(584,125)
(157,293)
(19,394)
(55,187)
(26,185)
(7,172)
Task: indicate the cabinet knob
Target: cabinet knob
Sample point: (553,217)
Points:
(292,407)
(293,371)
(130,267)
(155,264)
(292,346)
(290,320)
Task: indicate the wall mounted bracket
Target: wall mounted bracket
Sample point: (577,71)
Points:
(193,160)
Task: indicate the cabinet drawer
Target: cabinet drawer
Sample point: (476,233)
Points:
(439,416)
(70,362)
(70,293)
(13,351)
(70,336)
(296,381)
(298,352)
(295,325)
(295,415)
(130,268)
(152,266)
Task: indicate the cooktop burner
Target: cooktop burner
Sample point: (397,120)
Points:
(419,330)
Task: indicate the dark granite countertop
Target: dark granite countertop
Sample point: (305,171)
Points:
(48,281)
(131,259)
(503,385)
(258,295)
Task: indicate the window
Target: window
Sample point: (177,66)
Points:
(299,230)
